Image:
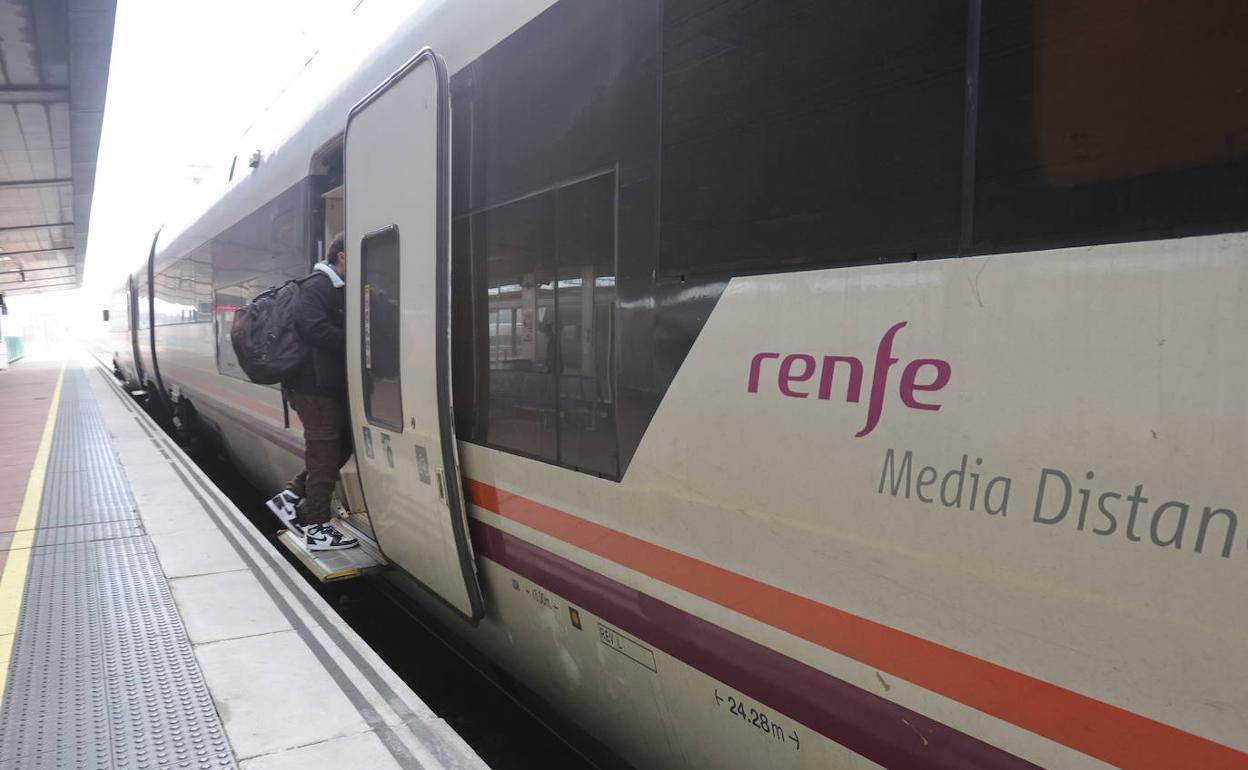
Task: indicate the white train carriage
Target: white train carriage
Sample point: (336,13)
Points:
(791,385)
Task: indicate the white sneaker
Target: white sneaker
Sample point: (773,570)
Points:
(285,506)
(323,537)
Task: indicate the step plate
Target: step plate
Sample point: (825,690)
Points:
(331,566)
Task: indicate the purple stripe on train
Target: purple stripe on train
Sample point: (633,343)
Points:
(874,727)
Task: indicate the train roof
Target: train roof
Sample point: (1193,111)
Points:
(311,114)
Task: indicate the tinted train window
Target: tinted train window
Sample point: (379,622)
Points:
(184,290)
(228,300)
(379,274)
(266,248)
(800,133)
(555,160)
(545,106)
(518,250)
(1104,122)
(550,296)
(584,321)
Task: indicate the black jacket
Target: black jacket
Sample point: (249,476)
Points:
(319,321)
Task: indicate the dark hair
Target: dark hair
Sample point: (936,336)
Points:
(335,246)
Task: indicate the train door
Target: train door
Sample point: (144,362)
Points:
(132,336)
(396,199)
(146,362)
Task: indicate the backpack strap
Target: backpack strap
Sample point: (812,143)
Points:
(278,287)
(312,274)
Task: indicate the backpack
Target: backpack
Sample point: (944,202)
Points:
(265,342)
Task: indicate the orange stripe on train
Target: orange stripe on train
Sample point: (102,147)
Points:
(1098,729)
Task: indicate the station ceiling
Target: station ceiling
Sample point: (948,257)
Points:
(54,57)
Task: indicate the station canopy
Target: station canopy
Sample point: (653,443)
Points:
(54,57)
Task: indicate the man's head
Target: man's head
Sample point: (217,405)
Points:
(336,255)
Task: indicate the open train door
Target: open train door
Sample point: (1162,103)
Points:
(396,199)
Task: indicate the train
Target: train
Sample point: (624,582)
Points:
(797,384)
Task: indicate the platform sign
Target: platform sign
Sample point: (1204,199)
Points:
(397,207)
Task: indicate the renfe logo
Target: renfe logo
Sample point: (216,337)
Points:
(800,367)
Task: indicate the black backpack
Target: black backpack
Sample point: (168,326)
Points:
(267,347)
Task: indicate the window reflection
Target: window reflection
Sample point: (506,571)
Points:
(555,158)
(228,299)
(264,249)
(184,290)
(519,253)
(379,271)
(549,264)
(585,233)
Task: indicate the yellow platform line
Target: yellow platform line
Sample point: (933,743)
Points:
(14,578)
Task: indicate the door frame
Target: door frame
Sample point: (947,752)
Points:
(453,479)
(161,395)
(132,322)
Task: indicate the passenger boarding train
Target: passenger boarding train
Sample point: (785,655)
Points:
(798,384)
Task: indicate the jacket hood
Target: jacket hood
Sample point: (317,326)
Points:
(334,278)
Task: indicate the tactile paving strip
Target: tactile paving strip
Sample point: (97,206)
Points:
(102,673)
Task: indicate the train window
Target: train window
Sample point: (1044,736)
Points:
(286,241)
(1104,122)
(227,300)
(184,290)
(266,248)
(803,133)
(554,177)
(518,253)
(379,275)
(545,117)
(549,263)
(584,320)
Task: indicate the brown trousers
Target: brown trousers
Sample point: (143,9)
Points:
(326,447)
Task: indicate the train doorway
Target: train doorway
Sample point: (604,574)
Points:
(396,205)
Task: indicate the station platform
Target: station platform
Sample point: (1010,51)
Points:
(144,623)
